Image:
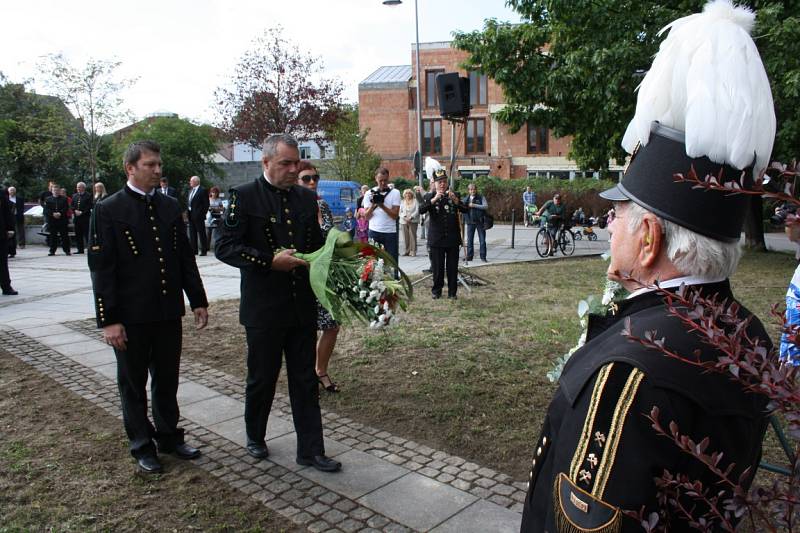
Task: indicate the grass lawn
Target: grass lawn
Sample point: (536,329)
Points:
(468,376)
(65,466)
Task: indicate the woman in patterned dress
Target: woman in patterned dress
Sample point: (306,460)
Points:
(308,177)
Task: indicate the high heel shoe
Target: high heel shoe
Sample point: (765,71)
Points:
(331,386)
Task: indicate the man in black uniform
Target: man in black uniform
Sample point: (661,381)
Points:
(268,220)
(444,233)
(165,189)
(141,264)
(598,454)
(82,209)
(56,208)
(7,229)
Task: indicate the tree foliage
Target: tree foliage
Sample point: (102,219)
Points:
(186,148)
(276,88)
(354,160)
(573,66)
(92,92)
(38,140)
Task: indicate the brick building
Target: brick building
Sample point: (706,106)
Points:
(387,107)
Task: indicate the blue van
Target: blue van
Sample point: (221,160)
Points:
(340,195)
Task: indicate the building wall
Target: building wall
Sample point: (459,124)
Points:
(390,115)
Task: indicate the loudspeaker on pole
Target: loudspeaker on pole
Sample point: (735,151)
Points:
(453,92)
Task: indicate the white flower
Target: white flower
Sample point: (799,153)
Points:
(362,294)
(377,309)
(386,306)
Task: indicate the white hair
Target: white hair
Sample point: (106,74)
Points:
(691,253)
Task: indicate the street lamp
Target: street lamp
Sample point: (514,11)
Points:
(419,82)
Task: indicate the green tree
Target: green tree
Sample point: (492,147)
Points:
(38,140)
(354,160)
(186,148)
(92,92)
(576,64)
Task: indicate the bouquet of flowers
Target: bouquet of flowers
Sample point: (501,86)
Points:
(350,281)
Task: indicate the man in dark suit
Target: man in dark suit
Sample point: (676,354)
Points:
(141,265)
(17,204)
(197,204)
(166,190)
(6,234)
(82,209)
(278,308)
(56,209)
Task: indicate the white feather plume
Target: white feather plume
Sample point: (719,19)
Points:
(707,80)
(431,166)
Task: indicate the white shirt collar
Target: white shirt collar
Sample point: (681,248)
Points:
(134,188)
(676,282)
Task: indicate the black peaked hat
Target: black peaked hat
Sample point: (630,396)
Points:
(650,182)
(439,175)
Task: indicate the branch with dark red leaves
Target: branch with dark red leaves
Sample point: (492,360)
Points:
(741,184)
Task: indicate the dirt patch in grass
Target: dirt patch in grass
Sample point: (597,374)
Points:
(65,466)
(468,377)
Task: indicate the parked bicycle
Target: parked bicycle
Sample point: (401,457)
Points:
(564,241)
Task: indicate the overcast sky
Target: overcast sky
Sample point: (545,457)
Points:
(180,51)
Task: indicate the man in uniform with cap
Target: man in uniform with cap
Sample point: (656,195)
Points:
(444,232)
(141,265)
(267,221)
(598,454)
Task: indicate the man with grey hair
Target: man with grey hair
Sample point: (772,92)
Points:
(266,222)
(598,453)
(82,203)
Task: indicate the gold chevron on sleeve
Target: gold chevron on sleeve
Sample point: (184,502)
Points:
(588,423)
(615,430)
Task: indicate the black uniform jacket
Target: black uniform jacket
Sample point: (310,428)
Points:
(82,202)
(260,221)
(141,261)
(6,215)
(56,204)
(597,453)
(444,230)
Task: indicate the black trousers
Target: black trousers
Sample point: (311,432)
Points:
(59,232)
(5,278)
(81,231)
(444,259)
(155,349)
(197,229)
(265,347)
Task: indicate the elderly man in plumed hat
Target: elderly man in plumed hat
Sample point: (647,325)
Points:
(444,234)
(705,107)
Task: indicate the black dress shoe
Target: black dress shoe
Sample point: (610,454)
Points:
(257,450)
(203,253)
(52,253)
(9,292)
(436,296)
(79,252)
(183,451)
(321,463)
(149,464)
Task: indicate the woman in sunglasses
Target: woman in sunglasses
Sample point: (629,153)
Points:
(308,177)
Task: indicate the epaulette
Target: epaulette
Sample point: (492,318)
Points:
(232,217)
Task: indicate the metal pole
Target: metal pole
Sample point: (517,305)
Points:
(419,101)
(513,226)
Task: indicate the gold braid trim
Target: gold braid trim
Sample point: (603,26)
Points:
(588,423)
(565,525)
(615,432)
